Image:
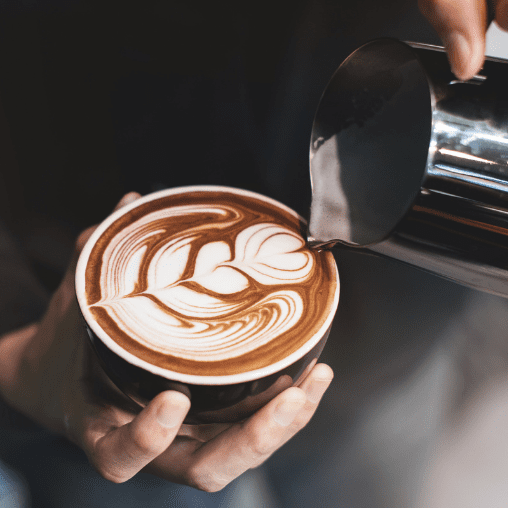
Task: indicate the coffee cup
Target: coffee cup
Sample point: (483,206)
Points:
(210,291)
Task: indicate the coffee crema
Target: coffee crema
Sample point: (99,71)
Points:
(209,283)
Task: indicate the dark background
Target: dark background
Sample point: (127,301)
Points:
(101,98)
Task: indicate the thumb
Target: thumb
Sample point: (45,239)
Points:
(124,451)
(462,25)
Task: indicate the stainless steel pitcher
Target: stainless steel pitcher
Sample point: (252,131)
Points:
(408,162)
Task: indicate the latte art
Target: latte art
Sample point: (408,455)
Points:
(208,282)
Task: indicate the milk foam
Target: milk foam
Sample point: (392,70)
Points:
(209,282)
(190,316)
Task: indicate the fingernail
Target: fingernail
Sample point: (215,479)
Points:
(459,54)
(170,413)
(316,389)
(285,413)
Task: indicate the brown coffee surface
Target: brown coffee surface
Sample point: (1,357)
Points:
(209,283)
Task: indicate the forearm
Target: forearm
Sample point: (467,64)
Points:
(36,364)
(22,302)
(13,346)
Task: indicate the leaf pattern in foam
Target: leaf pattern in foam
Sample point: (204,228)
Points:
(211,339)
(192,303)
(169,263)
(269,254)
(126,257)
(131,272)
(210,273)
(199,324)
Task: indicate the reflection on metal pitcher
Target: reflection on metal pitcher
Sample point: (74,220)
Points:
(410,163)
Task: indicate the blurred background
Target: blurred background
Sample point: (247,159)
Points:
(98,99)
(83,116)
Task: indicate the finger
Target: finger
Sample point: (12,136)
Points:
(121,453)
(316,383)
(314,387)
(204,432)
(245,445)
(502,14)
(462,25)
(129,198)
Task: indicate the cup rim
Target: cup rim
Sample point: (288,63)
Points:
(170,374)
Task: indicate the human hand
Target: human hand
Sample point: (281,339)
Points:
(49,372)
(462,25)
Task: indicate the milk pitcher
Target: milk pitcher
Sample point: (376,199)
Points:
(408,162)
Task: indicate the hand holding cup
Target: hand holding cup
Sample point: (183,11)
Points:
(52,375)
(210,291)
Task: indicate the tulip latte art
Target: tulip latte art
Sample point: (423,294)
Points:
(209,282)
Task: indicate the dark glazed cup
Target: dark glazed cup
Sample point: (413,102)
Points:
(214,399)
(209,403)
